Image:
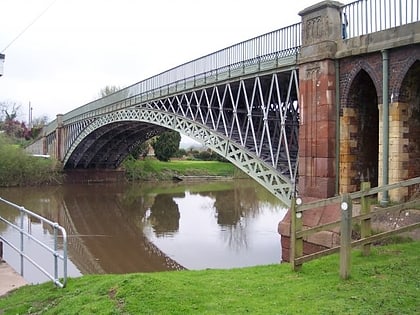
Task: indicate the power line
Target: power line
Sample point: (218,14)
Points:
(30,24)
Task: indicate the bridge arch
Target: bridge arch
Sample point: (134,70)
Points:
(153,122)
(360,133)
(406,118)
(356,67)
(406,64)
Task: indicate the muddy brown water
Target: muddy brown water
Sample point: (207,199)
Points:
(148,227)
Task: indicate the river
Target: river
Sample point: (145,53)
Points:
(148,227)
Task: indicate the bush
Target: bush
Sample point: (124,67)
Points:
(17,168)
(166,145)
(180,153)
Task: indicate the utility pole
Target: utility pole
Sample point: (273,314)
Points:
(30,116)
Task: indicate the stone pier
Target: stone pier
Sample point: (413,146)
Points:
(321,30)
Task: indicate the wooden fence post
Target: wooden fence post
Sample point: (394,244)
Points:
(296,243)
(365,226)
(345,237)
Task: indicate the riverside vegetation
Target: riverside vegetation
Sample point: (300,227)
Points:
(386,282)
(152,169)
(20,169)
(17,168)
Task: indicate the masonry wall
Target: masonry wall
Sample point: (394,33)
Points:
(321,28)
(403,157)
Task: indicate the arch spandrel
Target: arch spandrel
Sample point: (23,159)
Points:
(361,65)
(400,74)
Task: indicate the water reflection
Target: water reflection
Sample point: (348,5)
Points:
(121,228)
(232,225)
(164,215)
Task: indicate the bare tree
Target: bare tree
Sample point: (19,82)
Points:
(109,89)
(40,121)
(9,110)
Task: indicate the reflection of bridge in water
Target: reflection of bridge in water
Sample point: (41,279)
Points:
(119,228)
(97,248)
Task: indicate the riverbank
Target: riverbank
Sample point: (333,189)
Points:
(386,282)
(10,279)
(153,169)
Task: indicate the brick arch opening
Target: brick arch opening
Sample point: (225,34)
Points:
(359,138)
(410,95)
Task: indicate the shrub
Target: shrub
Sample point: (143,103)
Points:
(17,168)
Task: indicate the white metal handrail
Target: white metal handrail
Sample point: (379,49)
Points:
(54,250)
(370,16)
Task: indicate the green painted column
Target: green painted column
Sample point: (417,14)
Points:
(385,125)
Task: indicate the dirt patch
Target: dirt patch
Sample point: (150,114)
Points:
(391,220)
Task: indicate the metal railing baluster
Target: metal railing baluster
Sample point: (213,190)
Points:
(54,250)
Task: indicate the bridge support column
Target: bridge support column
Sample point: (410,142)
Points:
(398,144)
(321,29)
(59,138)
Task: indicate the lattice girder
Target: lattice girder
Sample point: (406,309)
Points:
(252,122)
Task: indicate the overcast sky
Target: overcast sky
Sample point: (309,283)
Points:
(77,47)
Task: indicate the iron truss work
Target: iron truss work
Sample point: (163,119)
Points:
(252,122)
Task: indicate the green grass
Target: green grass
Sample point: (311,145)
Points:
(184,167)
(386,282)
(150,169)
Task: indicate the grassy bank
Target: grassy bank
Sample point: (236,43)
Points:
(153,169)
(387,282)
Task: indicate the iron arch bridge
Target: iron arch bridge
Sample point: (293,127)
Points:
(241,102)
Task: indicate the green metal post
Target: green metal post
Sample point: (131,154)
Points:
(385,124)
(337,127)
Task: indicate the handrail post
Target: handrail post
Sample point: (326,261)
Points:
(55,253)
(64,234)
(21,211)
(345,237)
(19,226)
(296,243)
(365,229)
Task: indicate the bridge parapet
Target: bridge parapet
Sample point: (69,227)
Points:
(266,52)
(387,39)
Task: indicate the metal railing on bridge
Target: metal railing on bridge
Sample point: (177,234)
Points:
(56,253)
(281,43)
(369,16)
